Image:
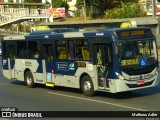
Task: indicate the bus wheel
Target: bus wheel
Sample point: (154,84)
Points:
(87,86)
(29,79)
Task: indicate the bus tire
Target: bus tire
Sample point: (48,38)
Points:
(29,79)
(87,86)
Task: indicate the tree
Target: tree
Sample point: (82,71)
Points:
(60,3)
(98,8)
(128,10)
(97,3)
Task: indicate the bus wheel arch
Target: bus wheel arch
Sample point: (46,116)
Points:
(87,85)
(28,78)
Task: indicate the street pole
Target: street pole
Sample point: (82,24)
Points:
(154,8)
(146,5)
(23,8)
(24,15)
(84,9)
(46,10)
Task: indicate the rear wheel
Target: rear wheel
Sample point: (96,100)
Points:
(29,79)
(87,86)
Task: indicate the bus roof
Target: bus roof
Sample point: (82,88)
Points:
(16,37)
(70,33)
(55,30)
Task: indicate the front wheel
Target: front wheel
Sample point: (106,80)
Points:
(87,86)
(29,79)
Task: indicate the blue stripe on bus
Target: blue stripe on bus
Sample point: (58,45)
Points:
(89,34)
(48,67)
(12,62)
(51,36)
(40,68)
(62,67)
(5,64)
(111,73)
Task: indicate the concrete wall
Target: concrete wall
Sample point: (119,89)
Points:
(108,23)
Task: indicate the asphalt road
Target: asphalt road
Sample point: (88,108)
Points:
(15,94)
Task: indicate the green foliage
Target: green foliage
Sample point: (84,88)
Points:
(113,13)
(128,10)
(135,1)
(112,8)
(97,3)
(20,27)
(60,3)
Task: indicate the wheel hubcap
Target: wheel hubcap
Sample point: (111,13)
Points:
(29,80)
(87,86)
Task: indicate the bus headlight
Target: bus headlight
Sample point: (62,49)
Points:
(119,76)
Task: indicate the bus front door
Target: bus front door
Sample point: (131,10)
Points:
(102,61)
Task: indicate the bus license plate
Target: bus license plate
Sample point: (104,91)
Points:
(141,82)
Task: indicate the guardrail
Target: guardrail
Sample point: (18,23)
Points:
(8,14)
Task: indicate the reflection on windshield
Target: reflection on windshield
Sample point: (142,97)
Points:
(136,53)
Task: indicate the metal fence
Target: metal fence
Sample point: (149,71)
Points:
(8,14)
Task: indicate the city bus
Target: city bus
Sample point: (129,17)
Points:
(87,60)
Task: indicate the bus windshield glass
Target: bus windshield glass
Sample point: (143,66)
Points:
(136,53)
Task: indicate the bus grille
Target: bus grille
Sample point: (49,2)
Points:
(135,85)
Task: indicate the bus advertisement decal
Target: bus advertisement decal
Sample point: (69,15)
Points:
(71,66)
(65,68)
(62,66)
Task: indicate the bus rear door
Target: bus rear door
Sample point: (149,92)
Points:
(11,48)
(47,55)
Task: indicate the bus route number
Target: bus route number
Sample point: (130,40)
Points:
(124,34)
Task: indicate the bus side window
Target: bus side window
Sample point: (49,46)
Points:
(46,52)
(4,49)
(71,50)
(22,49)
(32,48)
(61,49)
(82,49)
(85,53)
(11,51)
(79,53)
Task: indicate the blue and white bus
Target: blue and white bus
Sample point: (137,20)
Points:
(90,60)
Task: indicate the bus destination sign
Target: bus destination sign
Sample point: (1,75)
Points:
(133,33)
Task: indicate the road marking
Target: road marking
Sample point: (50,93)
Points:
(98,101)
(3,84)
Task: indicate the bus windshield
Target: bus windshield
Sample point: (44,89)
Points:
(137,53)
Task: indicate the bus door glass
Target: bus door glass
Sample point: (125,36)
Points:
(47,55)
(11,48)
(103,60)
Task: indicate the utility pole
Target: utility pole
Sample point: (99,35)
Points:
(84,9)
(24,24)
(46,10)
(23,8)
(154,8)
